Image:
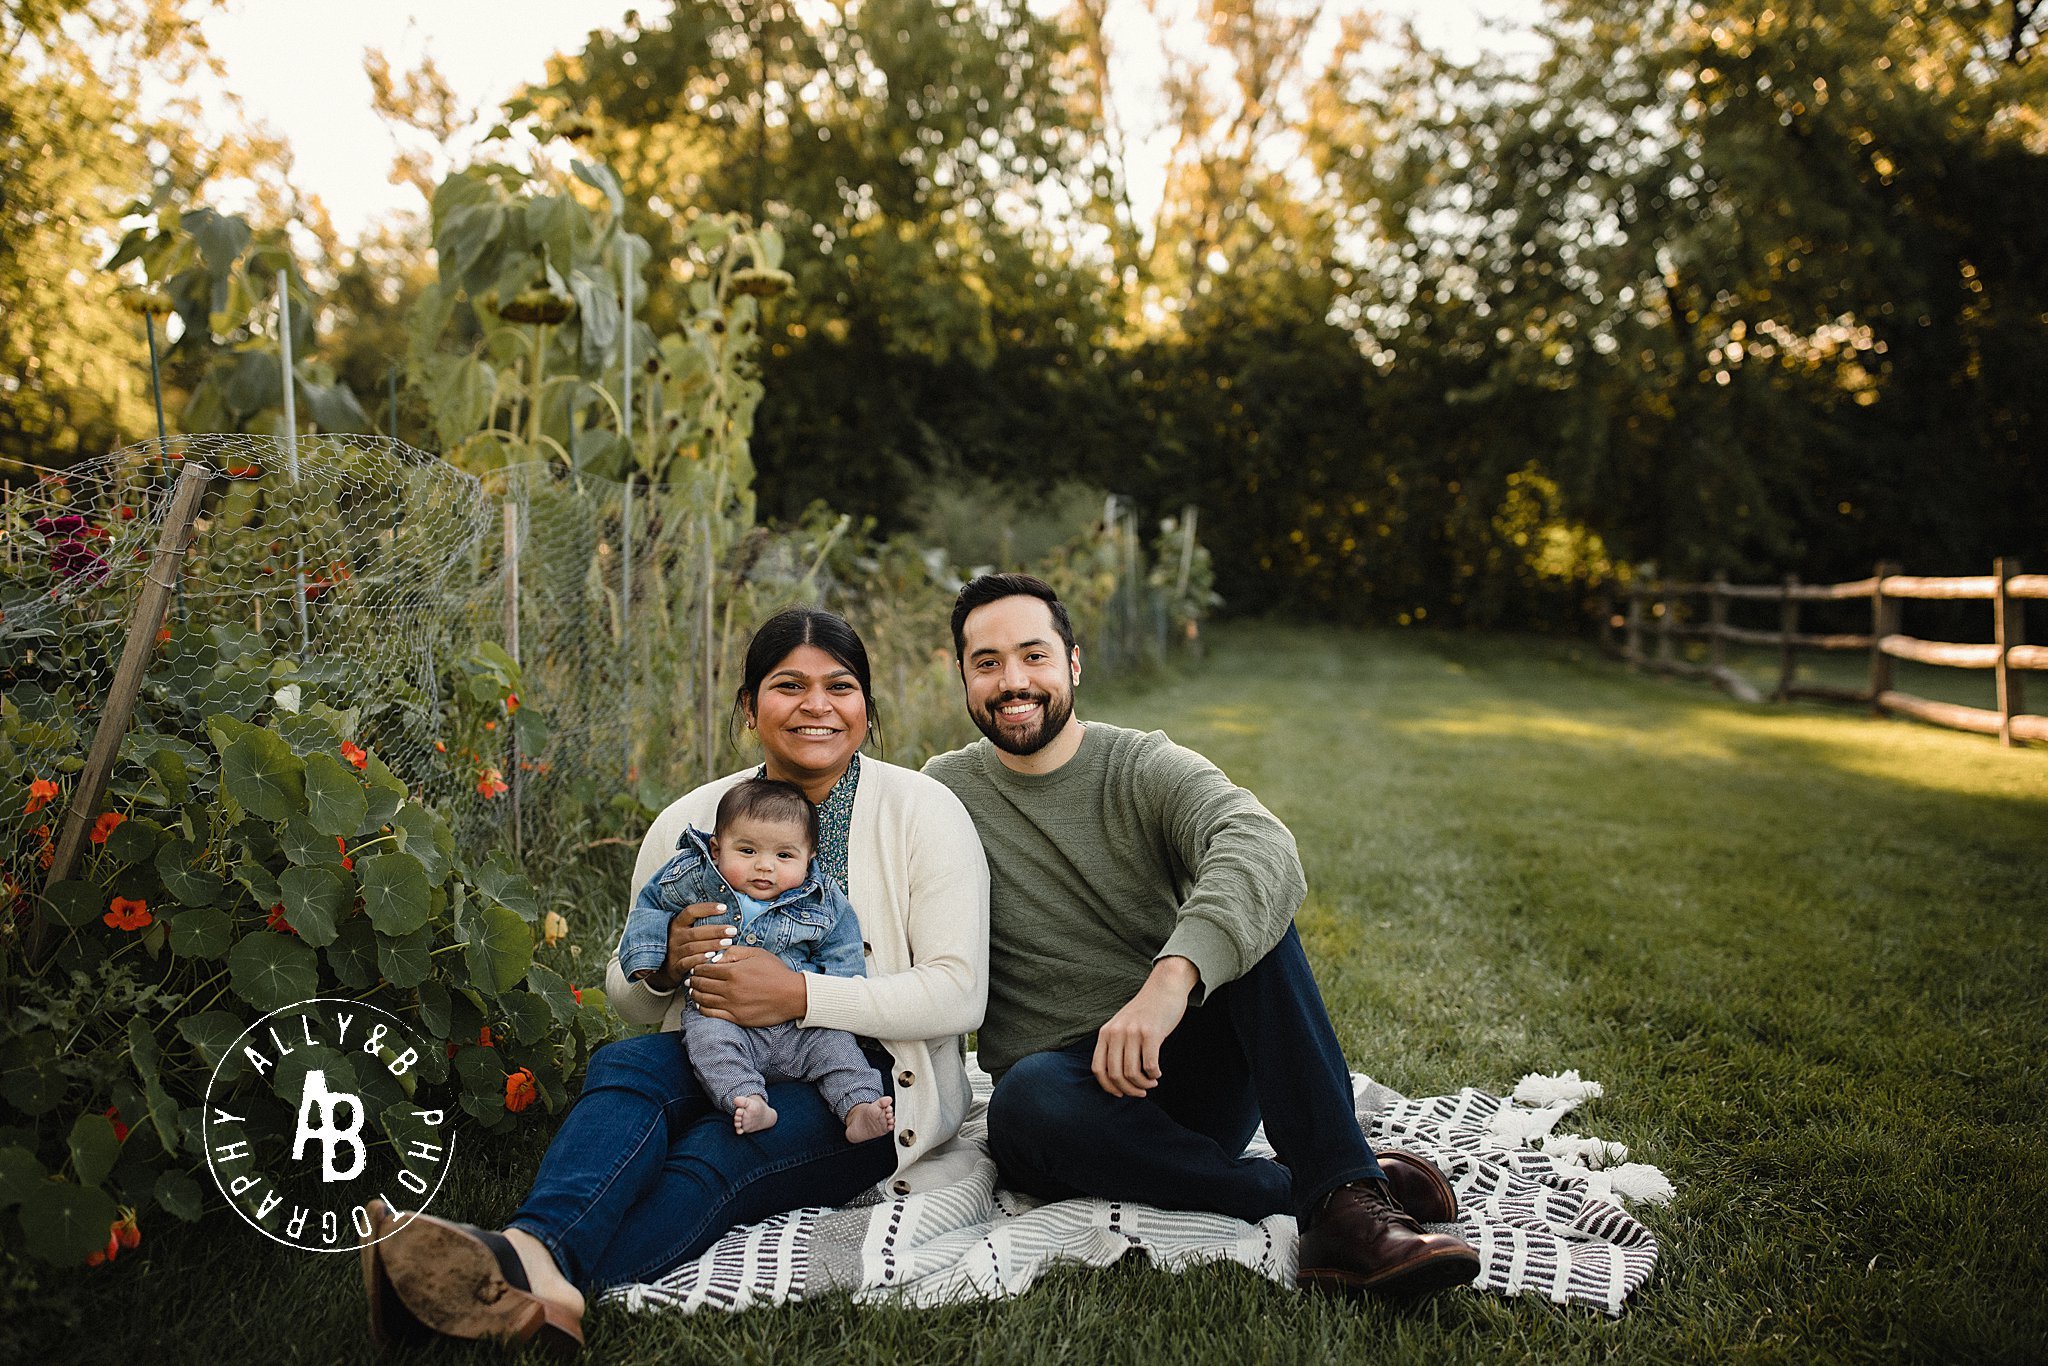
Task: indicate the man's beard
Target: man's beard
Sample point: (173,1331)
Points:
(1055,710)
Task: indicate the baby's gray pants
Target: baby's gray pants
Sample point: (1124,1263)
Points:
(732,1061)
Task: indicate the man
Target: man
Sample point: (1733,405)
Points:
(1149,1000)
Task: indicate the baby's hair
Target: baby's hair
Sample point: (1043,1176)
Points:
(768,799)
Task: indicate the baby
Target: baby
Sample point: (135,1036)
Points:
(759,864)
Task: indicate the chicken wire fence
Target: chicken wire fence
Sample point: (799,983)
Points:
(360,575)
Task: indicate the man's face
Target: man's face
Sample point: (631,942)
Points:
(1018,675)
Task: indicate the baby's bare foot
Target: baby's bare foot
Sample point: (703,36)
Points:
(752,1114)
(870,1119)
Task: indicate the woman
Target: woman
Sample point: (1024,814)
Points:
(646,1171)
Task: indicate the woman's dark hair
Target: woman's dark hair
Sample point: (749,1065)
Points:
(793,627)
(988,588)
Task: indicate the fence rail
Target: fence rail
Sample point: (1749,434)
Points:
(1659,614)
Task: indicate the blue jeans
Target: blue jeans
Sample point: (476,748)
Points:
(646,1171)
(1259,1046)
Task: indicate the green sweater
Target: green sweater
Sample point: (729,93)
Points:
(1134,850)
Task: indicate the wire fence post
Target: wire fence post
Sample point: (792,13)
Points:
(626,517)
(2009,628)
(512,649)
(291,450)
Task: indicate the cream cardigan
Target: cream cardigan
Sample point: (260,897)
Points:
(920,888)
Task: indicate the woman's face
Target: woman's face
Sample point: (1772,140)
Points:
(811,715)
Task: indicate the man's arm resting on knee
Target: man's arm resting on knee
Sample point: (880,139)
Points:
(1127,1048)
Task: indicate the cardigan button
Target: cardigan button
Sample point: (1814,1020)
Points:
(900,1186)
(907,1137)
(905,1077)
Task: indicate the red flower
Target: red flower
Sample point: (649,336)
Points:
(276,921)
(354,753)
(492,783)
(490,725)
(577,992)
(346,861)
(520,1090)
(104,826)
(128,915)
(483,1037)
(41,792)
(440,746)
(451,1050)
(244,470)
(511,703)
(120,1129)
(127,1232)
(127,513)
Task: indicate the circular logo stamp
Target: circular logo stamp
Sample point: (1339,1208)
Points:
(316,1110)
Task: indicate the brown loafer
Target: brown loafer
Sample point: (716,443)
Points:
(1419,1187)
(463,1282)
(1359,1240)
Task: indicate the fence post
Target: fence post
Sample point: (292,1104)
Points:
(1666,652)
(512,647)
(2009,627)
(1717,621)
(1632,649)
(148,618)
(1884,621)
(1788,626)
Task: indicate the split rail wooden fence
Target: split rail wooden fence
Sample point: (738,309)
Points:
(1657,615)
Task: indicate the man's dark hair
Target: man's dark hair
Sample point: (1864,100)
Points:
(768,799)
(988,588)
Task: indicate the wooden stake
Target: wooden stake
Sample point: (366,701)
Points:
(1788,627)
(1884,621)
(512,646)
(143,626)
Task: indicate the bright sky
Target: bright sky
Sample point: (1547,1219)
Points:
(298,68)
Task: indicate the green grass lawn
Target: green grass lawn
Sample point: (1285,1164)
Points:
(1804,951)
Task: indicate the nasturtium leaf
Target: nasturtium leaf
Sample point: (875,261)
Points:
(384,794)
(212,1034)
(434,1008)
(134,839)
(395,892)
(310,731)
(334,796)
(260,771)
(74,903)
(304,842)
(532,729)
(33,1088)
(426,837)
(549,985)
(288,1080)
(482,1070)
(163,1115)
(315,900)
(527,1014)
(202,932)
(353,954)
(403,959)
(143,1050)
(93,1148)
(20,1173)
(258,879)
(66,1223)
(259,841)
(181,1196)
(500,950)
(188,885)
(271,971)
(503,881)
(170,771)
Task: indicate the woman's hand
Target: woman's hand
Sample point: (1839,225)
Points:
(690,944)
(750,987)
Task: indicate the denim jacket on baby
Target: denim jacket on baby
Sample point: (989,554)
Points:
(811,927)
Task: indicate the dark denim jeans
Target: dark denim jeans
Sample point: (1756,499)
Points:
(1259,1046)
(646,1172)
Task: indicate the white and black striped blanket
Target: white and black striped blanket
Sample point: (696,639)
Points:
(1543,1209)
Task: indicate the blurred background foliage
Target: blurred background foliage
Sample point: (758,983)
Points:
(1717,285)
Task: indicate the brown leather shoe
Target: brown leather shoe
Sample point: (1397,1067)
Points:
(1359,1240)
(462,1282)
(1419,1187)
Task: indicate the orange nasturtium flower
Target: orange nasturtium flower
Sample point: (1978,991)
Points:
(104,826)
(511,703)
(520,1090)
(41,792)
(128,915)
(276,921)
(113,1114)
(492,783)
(354,753)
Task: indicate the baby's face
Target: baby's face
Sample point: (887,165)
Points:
(764,859)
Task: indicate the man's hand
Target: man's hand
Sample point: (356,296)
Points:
(1127,1048)
(689,945)
(750,987)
